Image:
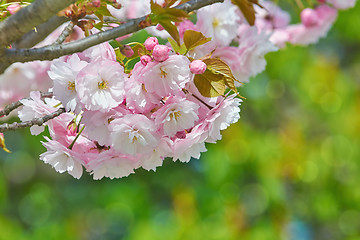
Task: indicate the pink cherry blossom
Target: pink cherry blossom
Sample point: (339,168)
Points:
(303,35)
(176,115)
(35,108)
(189,147)
(111,164)
(62,158)
(247,59)
(63,73)
(168,77)
(218,21)
(155,159)
(133,134)
(100,85)
(220,117)
(342,4)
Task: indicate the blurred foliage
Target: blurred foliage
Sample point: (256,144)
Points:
(290,168)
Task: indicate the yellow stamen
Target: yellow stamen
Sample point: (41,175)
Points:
(71,86)
(163,73)
(103,84)
(215,23)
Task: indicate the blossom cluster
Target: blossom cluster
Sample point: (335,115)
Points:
(119,119)
(118,122)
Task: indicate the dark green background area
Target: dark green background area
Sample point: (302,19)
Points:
(289,169)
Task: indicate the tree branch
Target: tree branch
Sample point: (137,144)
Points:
(12,106)
(27,18)
(33,37)
(36,121)
(56,51)
(65,33)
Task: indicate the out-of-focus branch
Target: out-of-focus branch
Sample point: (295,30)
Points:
(33,37)
(36,121)
(38,12)
(55,51)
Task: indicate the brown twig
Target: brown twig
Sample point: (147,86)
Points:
(12,106)
(36,121)
(65,33)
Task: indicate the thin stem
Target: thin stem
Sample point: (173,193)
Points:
(36,121)
(77,136)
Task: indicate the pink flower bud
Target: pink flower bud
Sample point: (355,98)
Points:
(127,51)
(309,17)
(159,27)
(71,129)
(145,59)
(161,53)
(13,8)
(151,42)
(96,3)
(197,67)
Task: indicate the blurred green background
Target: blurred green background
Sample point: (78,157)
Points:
(289,169)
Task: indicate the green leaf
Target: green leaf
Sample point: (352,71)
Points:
(159,14)
(217,66)
(119,56)
(179,49)
(99,25)
(210,84)
(172,30)
(156,8)
(103,11)
(138,49)
(247,8)
(169,3)
(193,39)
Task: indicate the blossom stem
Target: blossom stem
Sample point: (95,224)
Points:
(77,136)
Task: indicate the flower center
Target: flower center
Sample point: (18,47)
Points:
(215,23)
(175,116)
(103,84)
(162,73)
(133,135)
(71,86)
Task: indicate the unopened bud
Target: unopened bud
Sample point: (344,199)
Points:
(145,59)
(197,67)
(71,129)
(68,13)
(159,27)
(150,43)
(309,17)
(96,3)
(127,51)
(161,53)
(13,8)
